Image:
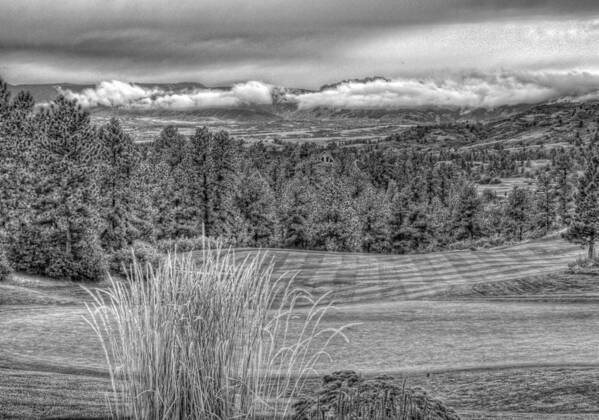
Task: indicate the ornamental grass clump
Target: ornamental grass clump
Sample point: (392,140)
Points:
(207,336)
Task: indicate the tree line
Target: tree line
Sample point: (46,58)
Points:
(75,194)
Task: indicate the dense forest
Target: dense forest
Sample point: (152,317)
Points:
(75,196)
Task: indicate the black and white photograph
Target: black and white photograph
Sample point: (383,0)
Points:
(299,210)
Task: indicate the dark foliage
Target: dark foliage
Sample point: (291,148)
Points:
(142,253)
(5,268)
(584,226)
(345,395)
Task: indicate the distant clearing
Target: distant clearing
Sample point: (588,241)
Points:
(506,185)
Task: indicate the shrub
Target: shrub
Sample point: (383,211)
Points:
(87,262)
(36,253)
(139,253)
(484,179)
(479,243)
(207,339)
(495,181)
(584,265)
(5,268)
(344,395)
(185,244)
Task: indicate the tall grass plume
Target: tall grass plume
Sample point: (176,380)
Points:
(208,337)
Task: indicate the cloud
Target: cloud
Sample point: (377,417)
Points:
(474,90)
(128,95)
(110,94)
(466,91)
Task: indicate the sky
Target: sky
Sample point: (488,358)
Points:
(304,43)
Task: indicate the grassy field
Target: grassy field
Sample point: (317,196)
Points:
(507,185)
(499,333)
(354,278)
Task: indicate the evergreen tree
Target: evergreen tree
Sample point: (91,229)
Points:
(375,213)
(399,204)
(465,222)
(584,226)
(17,144)
(162,199)
(518,212)
(545,202)
(170,155)
(61,239)
(118,165)
(336,223)
(4,104)
(410,225)
(145,192)
(169,147)
(563,188)
(212,176)
(296,211)
(256,205)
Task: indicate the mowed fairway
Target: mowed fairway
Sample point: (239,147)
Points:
(498,333)
(353,278)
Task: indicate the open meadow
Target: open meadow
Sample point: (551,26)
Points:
(495,333)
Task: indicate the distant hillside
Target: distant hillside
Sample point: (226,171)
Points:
(551,124)
(360,80)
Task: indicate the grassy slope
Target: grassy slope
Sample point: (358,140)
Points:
(51,364)
(372,277)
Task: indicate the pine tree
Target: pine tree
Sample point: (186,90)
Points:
(563,188)
(296,211)
(118,166)
(162,200)
(256,205)
(518,212)
(336,222)
(545,202)
(465,213)
(62,238)
(213,178)
(17,163)
(170,155)
(144,194)
(398,218)
(584,226)
(4,104)
(169,147)
(374,211)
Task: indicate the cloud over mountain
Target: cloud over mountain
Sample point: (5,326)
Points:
(120,94)
(472,90)
(475,90)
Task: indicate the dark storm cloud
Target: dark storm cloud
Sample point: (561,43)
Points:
(293,42)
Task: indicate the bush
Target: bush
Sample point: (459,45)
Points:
(5,268)
(479,243)
(141,253)
(584,265)
(35,252)
(484,179)
(344,395)
(87,262)
(207,338)
(185,244)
